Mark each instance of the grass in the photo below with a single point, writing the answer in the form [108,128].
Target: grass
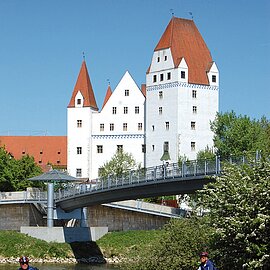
[15,244]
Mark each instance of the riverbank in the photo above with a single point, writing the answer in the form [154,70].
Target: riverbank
[111,248]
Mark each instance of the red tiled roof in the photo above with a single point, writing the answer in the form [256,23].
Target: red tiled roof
[143,89]
[84,85]
[44,149]
[108,95]
[184,39]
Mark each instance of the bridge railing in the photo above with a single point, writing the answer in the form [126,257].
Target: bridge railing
[23,196]
[159,173]
[134,177]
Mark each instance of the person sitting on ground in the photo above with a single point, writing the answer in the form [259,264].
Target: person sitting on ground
[24,264]
[205,264]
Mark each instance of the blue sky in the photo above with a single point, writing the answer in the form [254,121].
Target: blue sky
[42,44]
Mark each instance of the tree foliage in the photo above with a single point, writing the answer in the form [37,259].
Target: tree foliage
[239,204]
[177,247]
[14,173]
[234,134]
[120,164]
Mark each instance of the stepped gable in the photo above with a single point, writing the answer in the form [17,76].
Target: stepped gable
[184,40]
[84,85]
[107,97]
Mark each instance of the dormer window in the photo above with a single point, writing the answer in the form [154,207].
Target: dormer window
[214,78]
[183,74]
[79,101]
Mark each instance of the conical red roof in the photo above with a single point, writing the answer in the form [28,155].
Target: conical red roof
[108,95]
[184,39]
[84,85]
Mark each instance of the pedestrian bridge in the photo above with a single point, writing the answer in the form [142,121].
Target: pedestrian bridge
[167,179]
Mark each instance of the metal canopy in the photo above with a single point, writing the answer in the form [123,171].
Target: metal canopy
[53,175]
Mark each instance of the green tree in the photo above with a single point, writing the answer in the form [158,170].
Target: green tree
[14,173]
[237,134]
[239,204]
[120,164]
[177,247]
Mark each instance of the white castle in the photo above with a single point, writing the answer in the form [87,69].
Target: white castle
[168,118]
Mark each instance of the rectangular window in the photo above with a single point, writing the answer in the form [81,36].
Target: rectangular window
[143,148]
[192,146]
[99,149]
[168,75]
[194,94]
[111,127]
[79,123]
[161,77]
[79,101]
[194,109]
[214,78]
[192,125]
[183,74]
[167,125]
[137,109]
[155,78]
[113,110]
[139,126]
[125,110]
[78,172]
[119,148]
[153,147]
[165,58]
[153,127]
[124,126]
[160,94]
[158,59]
[126,93]
[101,127]
[79,150]
[160,110]
[166,147]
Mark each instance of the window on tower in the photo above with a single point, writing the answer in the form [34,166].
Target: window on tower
[192,144]
[78,172]
[79,123]
[139,126]
[155,78]
[161,77]
[119,148]
[124,126]
[79,150]
[167,125]
[166,147]
[194,109]
[183,74]
[137,109]
[165,58]
[153,147]
[160,110]
[101,127]
[194,94]
[158,59]
[168,76]
[160,94]
[113,110]
[125,110]
[99,149]
[111,127]
[143,148]
[192,125]
[126,93]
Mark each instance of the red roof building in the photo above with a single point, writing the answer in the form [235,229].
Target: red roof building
[45,149]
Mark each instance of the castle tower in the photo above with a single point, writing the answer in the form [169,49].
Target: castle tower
[80,111]
[182,85]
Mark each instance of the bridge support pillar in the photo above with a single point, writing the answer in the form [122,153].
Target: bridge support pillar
[50,204]
[84,216]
